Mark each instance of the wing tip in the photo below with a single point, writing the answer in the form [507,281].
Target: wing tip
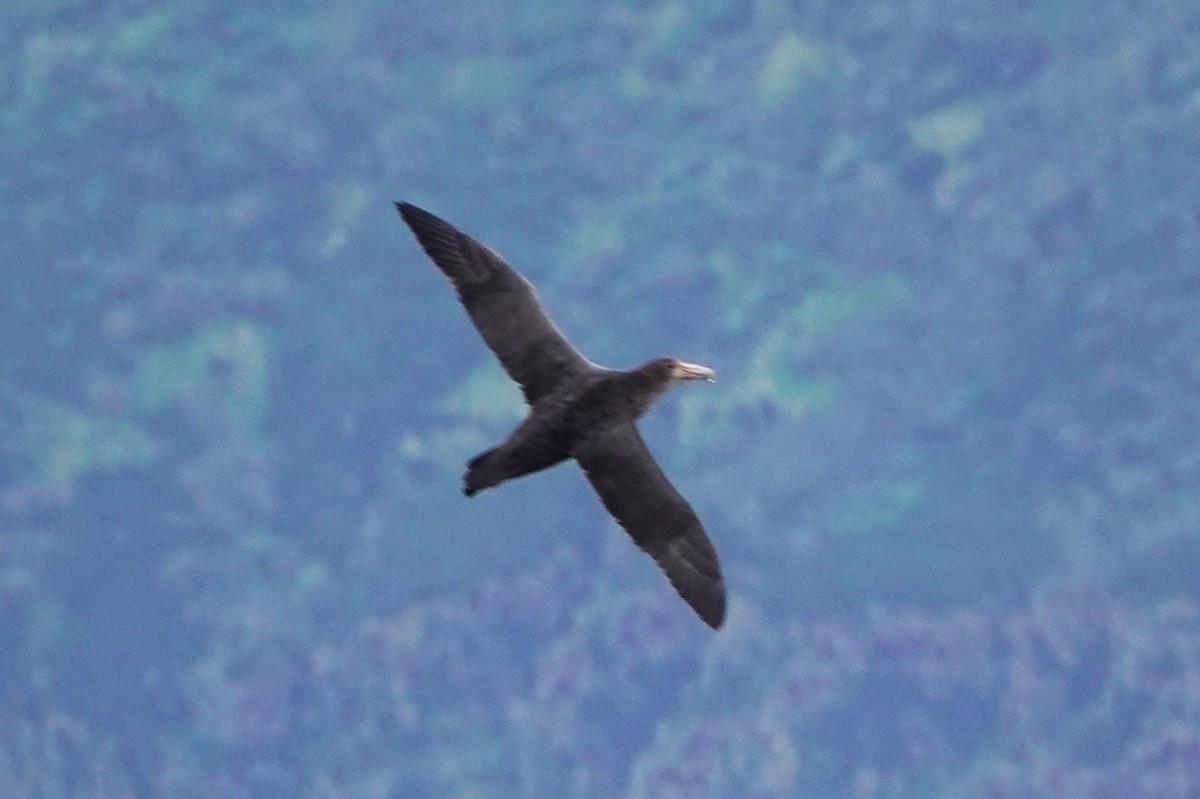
[433,232]
[413,213]
[408,211]
[712,612]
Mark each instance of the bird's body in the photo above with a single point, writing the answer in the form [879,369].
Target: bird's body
[577,410]
[560,422]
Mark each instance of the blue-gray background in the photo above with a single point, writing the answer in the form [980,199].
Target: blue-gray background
[945,257]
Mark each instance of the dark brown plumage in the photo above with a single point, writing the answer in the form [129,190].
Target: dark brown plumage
[577,410]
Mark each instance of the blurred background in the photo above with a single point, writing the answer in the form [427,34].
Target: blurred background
[945,257]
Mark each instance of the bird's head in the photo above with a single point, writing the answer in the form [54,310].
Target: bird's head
[651,379]
[672,370]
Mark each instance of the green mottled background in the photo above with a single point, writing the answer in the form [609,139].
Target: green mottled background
[945,257]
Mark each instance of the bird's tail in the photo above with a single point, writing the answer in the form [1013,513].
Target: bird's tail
[482,472]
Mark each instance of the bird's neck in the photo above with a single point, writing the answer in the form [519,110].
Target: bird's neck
[643,391]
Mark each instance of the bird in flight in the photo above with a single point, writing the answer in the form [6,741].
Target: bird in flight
[577,410]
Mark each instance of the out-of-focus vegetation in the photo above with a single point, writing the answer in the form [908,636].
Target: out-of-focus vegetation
[944,256]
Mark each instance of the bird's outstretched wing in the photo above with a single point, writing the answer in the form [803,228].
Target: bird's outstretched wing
[660,521]
[503,305]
